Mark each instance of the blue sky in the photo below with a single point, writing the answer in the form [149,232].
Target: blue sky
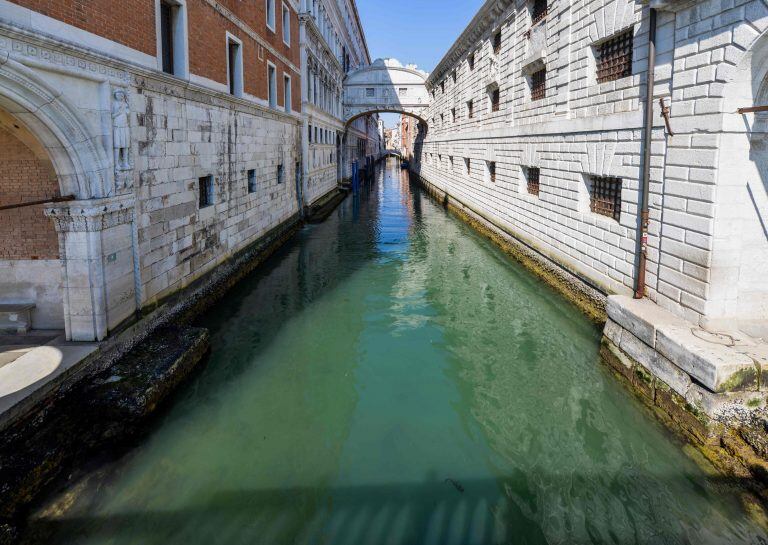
[414,31]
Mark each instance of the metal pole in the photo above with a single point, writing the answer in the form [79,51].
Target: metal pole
[642,242]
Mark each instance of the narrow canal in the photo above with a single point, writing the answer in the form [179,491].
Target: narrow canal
[392,377]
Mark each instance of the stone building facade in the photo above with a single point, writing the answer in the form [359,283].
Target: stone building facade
[176,135]
[332,45]
[536,124]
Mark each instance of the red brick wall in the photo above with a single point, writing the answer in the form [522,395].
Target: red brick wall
[25,233]
[132,23]
[208,51]
[129,22]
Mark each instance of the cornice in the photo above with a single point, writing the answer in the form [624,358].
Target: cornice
[308,20]
[481,23]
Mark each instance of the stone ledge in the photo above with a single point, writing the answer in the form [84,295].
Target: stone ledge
[721,363]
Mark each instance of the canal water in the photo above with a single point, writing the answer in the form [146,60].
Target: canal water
[391,377]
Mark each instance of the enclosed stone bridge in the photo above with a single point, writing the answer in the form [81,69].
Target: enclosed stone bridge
[386,86]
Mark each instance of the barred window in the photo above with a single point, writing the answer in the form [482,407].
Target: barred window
[497,43]
[492,171]
[495,100]
[605,196]
[539,11]
[539,84]
[251,181]
[614,57]
[280,174]
[370,91]
[532,178]
[470,110]
[205,191]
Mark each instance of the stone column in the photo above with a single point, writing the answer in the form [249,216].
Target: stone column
[96,247]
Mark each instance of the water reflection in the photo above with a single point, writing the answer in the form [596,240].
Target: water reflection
[391,377]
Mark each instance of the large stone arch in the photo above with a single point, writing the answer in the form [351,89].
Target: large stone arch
[81,164]
[97,225]
[385,86]
[740,242]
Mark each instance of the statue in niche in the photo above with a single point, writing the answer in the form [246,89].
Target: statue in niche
[121,130]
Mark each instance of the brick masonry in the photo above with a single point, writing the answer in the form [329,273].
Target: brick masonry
[25,233]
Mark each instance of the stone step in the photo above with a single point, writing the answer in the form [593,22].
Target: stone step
[16,317]
[719,361]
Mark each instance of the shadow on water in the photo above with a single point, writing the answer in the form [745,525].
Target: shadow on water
[435,512]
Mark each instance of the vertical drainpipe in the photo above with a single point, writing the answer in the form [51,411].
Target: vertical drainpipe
[642,231]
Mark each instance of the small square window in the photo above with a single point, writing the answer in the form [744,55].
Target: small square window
[205,191]
[402,91]
[370,91]
[538,11]
[280,173]
[605,196]
[532,180]
[491,165]
[251,181]
[614,57]
[539,84]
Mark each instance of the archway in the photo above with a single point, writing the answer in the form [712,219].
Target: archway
[29,244]
[93,229]
[739,265]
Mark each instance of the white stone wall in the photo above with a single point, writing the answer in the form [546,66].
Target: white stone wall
[35,281]
[584,128]
[181,140]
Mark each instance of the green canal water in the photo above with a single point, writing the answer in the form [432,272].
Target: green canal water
[390,377]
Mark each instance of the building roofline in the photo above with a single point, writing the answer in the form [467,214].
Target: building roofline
[479,25]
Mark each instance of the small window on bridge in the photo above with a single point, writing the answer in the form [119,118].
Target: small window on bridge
[370,92]
[402,91]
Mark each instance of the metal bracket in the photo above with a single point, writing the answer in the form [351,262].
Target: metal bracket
[665,115]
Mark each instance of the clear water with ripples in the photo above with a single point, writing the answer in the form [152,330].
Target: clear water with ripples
[392,377]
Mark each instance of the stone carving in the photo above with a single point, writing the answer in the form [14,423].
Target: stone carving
[121,131]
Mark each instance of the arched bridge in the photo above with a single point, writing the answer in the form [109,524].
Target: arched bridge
[385,86]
